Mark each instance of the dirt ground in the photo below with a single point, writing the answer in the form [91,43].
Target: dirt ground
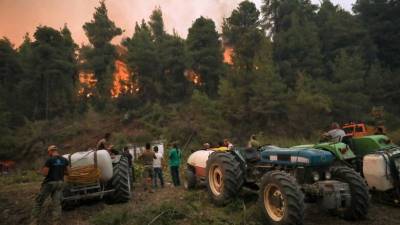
[16,202]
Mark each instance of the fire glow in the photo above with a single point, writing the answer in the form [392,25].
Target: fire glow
[122,82]
[194,77]
[228,53]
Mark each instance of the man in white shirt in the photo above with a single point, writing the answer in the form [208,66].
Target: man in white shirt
[157,167]
[336,134]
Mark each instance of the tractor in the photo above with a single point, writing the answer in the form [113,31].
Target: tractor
[284,179]
[375,157]
[95,174]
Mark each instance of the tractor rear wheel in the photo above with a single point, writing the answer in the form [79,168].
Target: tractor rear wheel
[190,179]
[224,177]
[280,199]
[120,182]
[358,208]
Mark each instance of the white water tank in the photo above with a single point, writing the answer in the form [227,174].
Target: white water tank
[86,158]
[377,172]
[198,160]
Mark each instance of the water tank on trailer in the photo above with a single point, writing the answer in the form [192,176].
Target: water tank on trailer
[86,158]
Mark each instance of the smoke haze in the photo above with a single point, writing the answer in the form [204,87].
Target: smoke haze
[20,16]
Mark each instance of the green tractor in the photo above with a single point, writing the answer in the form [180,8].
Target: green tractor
[375,157]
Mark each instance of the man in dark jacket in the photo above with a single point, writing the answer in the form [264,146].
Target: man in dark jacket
[54,170]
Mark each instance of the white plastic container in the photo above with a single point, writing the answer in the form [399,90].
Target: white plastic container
[377,172]
[104,162]
[198,160]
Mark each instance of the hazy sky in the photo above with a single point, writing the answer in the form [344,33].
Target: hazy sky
[20,16]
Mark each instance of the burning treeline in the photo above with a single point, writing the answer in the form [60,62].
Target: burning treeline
[124,79]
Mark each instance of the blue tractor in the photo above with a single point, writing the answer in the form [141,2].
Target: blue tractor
[285,179]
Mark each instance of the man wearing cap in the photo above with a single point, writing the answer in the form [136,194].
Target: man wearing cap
[54,170]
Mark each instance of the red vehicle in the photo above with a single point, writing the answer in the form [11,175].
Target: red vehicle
[361,129]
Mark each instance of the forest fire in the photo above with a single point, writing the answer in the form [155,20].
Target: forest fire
[228,53]
[122,82]
[194,77]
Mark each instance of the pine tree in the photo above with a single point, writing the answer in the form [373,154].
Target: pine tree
[350,103]
[381,18]
[143,59]
[296,40]
[100,56]
[205,54]
[242,30]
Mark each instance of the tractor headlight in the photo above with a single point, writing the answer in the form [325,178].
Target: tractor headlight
[315,176]
[328,175]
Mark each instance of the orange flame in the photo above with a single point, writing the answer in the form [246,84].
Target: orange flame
[228,53]
[122,82]
[194,77]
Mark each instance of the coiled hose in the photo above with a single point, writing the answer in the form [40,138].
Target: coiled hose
[83,175]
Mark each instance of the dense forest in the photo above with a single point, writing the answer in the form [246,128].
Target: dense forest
[287,69]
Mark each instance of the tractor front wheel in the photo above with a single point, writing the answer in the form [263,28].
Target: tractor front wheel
[280,199]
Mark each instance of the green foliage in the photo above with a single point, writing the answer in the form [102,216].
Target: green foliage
[383,23]
[201,119]
[205,55]
[308,108]
[143,59]
[296,41]
[347,89]
[20,177]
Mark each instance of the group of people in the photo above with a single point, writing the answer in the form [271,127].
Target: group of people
[56,167]
[153,163]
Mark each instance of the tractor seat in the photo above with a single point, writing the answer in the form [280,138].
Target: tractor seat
[251,155]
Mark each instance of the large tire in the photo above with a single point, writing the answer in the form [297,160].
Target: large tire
[224,177]
[120,182]
[190,179]
[358,190]
[280,199]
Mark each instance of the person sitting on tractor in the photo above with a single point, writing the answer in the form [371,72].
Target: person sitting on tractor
[379,131]
[253,143]
[228,144]
[54,170]
[104,142]
[336,134]
[206,146]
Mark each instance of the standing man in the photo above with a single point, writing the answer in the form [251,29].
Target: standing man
[147,158]
[157,167]
[174,162]
[336,134]
[54,170]
[104,142]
